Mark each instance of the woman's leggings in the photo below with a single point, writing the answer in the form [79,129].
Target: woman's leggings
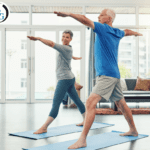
[65,99]
[63,86]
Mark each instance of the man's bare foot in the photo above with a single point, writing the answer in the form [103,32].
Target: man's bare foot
[130,133]
[40,131]
[78,144]
[80,124]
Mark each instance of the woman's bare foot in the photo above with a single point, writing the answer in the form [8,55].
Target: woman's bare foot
[80,143]
[130,133]
[80,124]
[40,131]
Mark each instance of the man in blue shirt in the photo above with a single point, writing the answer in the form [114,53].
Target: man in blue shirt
[107,72]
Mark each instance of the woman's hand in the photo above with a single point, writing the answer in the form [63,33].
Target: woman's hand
[76,58]
[33,38]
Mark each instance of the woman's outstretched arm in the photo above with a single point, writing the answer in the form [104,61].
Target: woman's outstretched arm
[46,42]
[63,49]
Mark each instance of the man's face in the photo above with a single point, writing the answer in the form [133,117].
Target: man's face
[104,18]
[66,38]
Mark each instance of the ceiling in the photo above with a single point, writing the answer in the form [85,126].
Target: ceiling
[83,2]
[77,9]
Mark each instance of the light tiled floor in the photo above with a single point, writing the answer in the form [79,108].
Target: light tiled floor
[25,117]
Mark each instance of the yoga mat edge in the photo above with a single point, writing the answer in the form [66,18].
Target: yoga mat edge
[64,130]
[94,142]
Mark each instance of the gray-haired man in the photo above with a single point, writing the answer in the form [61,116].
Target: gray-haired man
[107,71]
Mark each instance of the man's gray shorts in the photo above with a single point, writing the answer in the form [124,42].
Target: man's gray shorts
[108,88]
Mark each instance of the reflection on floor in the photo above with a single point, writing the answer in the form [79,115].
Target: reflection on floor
[25,117]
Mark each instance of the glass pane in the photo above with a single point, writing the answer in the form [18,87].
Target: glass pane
[47,17]
[16,75]
[144,16]
[0,63]
[19,15]
[124,19]
[124,15]
[144,19]
[87,59]
[144,54]
[75,43]
[127,57]
[45,67]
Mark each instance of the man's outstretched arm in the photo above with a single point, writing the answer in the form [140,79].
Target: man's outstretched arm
[46,42]
[130,32]
[81,18]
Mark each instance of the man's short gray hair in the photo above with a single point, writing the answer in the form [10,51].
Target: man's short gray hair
[111,13]
[69,32]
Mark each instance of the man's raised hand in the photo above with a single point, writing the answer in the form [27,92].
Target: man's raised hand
[62,14]
[138,34]
[32,38]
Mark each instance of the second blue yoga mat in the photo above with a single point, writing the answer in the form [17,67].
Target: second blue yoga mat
[60,130]
[93,142]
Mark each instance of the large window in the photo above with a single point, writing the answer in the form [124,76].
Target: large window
[144,54]
[133,54]
[0,64]
[87,61]
[16,76]
[45,67]
[24,44]
[144,16]
[23,63]
[127,57]
[43,15]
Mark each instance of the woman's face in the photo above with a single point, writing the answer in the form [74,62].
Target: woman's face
[66,38]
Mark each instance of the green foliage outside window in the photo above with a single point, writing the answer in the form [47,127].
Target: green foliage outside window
[124,71]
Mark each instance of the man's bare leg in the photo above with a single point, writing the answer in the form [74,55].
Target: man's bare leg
[43,129]
[128,116]
[89,118]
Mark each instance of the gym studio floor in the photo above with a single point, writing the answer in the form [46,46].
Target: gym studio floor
[25,117]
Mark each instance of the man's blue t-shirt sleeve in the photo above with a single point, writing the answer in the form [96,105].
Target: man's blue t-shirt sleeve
[99,28]
[122,34]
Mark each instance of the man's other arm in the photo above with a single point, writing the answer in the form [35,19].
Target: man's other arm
[130,32]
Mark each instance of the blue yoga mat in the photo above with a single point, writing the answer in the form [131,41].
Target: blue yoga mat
[60,130]
[93,142]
